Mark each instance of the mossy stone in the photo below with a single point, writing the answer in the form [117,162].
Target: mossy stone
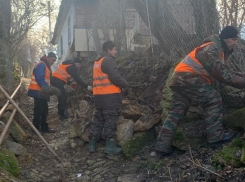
[137,143]
[151,163]
[9,162]
[5,176]
[227,156]
[165,105]
[167,94]
[183,139]
[237,142]
[236,119]
[15,130]
[154,163]
[243,154]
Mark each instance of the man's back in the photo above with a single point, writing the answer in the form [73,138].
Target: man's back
[212,59]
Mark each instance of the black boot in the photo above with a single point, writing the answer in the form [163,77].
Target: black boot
[58,106]
[226,138]
[64,114]
[38,129]
[48,131]
[63,117]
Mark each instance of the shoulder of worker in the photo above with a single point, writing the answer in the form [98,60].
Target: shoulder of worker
[68,61]
[215,43]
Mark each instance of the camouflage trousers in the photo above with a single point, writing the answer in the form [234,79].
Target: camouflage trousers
[104,119]
[206,97]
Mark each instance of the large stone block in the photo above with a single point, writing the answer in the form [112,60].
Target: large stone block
[137,143]
[84,109]
[7,177]
[231,154]
[236,119]
[72,131]
[189,134]
[9,162]
[125,130]
[146,122]
[15,129]
[131,112]
[16,148]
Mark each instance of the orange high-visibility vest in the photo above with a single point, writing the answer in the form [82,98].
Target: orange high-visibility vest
[61,73]
[33,85]
[192,65]
[101,82]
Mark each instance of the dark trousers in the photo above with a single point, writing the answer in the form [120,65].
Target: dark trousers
[40,114]
[206,97]
[104,119]
[62,99]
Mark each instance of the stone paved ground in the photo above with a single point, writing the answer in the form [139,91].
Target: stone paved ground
[80,165]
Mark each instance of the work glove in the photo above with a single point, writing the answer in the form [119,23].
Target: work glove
[74,86]
[49,91]
[90,89]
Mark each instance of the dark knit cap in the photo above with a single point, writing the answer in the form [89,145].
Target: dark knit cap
[51,54]
[78,60]
[229,32]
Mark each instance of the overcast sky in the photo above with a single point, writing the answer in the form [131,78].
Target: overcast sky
[44,21]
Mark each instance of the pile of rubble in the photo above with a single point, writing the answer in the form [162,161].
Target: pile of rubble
[145,105]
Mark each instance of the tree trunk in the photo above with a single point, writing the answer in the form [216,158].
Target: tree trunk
[168,22]
[206,18]
[5,18]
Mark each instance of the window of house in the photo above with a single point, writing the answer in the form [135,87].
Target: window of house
[69,30]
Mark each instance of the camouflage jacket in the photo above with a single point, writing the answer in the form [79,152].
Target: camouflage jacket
[211,59]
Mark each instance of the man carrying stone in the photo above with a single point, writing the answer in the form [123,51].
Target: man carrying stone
[40,80]
[61,76]
[193,80]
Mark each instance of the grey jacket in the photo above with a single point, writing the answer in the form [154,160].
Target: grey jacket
[109,67]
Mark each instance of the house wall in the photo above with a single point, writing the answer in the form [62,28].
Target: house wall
[85,12]
[82,13]
[64,51]
[84,40]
